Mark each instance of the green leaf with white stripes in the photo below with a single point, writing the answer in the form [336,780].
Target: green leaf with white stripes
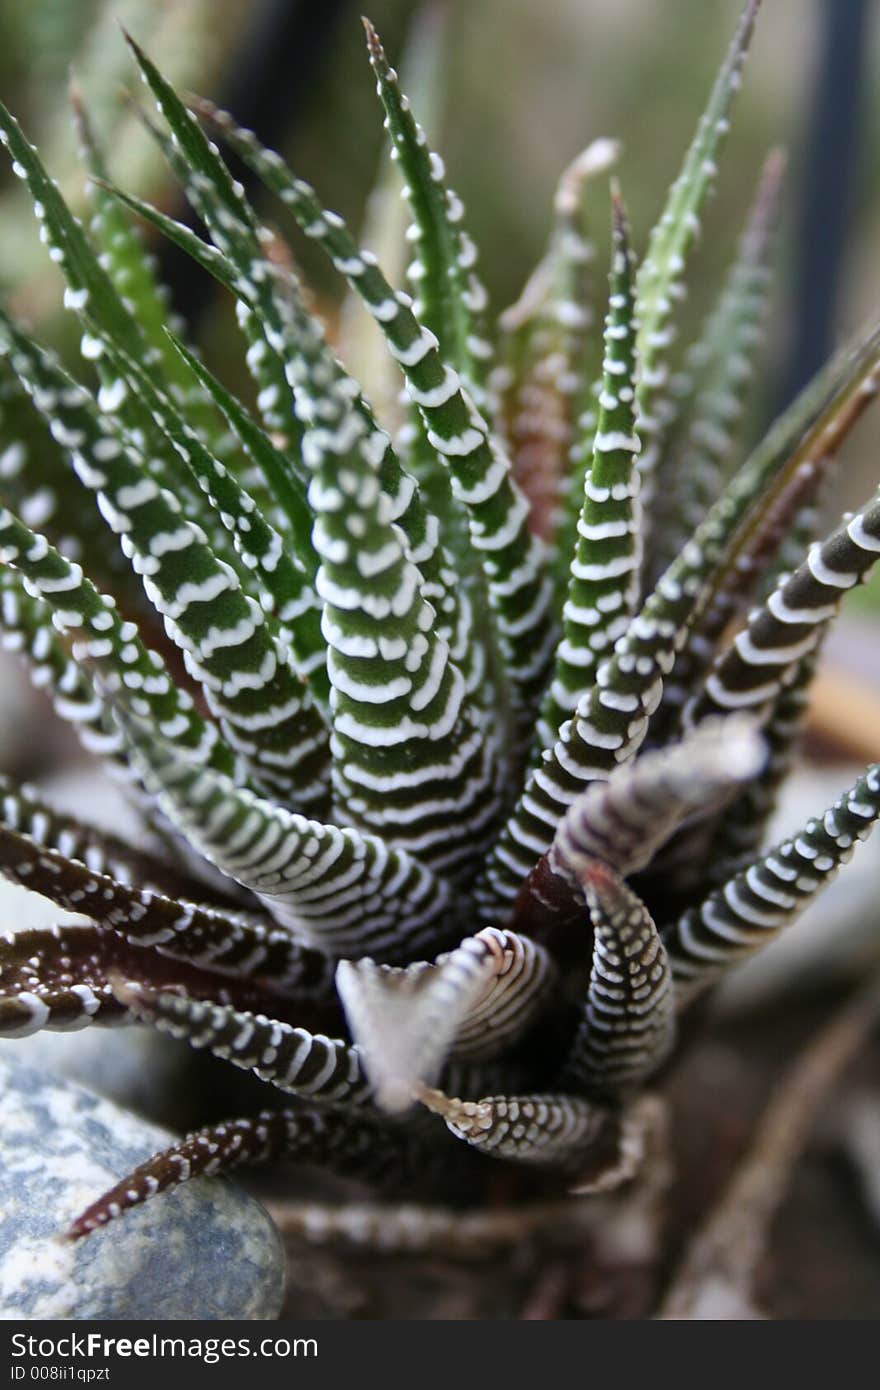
[512,559]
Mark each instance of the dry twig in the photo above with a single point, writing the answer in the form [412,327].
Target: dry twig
[717,1277]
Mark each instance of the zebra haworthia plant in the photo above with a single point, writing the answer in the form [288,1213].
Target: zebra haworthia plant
[452,803]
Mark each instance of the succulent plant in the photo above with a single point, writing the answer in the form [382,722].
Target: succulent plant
[455,753]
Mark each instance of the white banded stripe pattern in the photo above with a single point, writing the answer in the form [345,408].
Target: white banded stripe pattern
[338,889]
[208,937]
[764,898]
[764,657]
[348,1145]
[470,1004]
[292,1059]
[26,628]
[539,1129]
[105,644]
[266,713]
[512,558]
[627,1028]
[603,579]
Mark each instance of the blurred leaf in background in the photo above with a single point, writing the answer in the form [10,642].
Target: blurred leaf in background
[42,43]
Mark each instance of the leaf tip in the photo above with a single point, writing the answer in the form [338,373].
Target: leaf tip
[374,44]
[74,91]
[746,26]
[619,217]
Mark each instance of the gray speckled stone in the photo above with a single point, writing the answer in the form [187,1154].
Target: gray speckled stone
[205,1250]
[141,1070]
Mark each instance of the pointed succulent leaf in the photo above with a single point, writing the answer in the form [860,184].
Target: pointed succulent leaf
[424,69]
[612,719]
[64,978]
[553,1130]
[218,266]
[451,297]
[350,1145]
[210,938]
[764,656]
[219,1148]
[550,360]
[659,281]
[627,1029]
[473,1001]
[511,557]
[603,580]
[761,900]
[337,889]
[626,820]
[105,643]
[266,568]
[301,1063]
[718,371]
